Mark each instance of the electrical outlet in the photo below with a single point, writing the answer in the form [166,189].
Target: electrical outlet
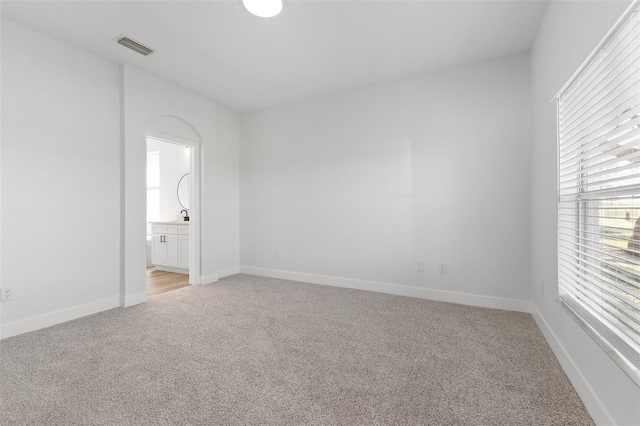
[420,267]
[542,287]
[442,268]
[277,254]
[6,294]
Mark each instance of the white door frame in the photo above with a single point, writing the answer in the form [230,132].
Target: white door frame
[194,201]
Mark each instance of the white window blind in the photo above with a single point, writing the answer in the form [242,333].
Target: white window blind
[599,193]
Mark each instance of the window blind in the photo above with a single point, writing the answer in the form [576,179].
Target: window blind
[599,191]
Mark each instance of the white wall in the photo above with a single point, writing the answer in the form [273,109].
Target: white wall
[227,185]
[60,179]
[362,185]
[174,163]
[1,25]
[569,32]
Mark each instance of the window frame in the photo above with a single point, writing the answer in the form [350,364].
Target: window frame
[569,295]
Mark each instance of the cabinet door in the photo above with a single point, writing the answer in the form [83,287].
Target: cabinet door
[158,250]
[171,244]
[183,251]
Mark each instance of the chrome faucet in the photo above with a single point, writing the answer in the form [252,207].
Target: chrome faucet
[186,218]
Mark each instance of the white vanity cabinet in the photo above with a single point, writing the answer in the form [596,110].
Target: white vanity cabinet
[170,247]
[183,246]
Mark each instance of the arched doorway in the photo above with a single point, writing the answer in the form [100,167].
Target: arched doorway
[174,130]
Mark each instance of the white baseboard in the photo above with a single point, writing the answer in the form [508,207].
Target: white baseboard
[228,271]
[133,299]
[589,398]
[212,278]
[399,290]
[209,278]
[171,269]
[37,322]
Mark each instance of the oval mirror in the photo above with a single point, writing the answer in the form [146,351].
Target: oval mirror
[183,191]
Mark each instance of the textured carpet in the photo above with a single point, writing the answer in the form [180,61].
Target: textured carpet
[251,350]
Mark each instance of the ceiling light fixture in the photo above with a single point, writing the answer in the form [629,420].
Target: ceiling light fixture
[263,8]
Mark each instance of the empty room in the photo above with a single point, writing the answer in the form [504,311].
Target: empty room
[336,212]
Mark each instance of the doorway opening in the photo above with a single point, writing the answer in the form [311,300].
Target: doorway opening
[170,214]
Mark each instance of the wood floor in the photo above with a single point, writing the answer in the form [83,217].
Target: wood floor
[160,281]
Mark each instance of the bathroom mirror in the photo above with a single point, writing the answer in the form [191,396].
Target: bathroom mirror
[183,191]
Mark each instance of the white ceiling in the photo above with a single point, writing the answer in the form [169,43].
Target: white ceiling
[312,48]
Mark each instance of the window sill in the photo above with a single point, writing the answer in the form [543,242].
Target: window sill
[627,366]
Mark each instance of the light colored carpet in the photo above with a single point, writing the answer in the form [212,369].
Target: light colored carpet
[251,350]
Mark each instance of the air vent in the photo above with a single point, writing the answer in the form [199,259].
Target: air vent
[135,46]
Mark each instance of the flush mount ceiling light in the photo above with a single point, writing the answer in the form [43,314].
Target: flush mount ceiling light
[263,8]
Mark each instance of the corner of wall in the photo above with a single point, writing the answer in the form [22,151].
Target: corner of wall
[133,299]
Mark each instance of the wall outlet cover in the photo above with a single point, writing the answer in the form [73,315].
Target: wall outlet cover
[6,294]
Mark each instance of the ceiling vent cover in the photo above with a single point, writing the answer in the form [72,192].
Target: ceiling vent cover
[135,46]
